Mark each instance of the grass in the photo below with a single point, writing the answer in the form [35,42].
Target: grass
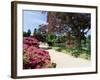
[85,56]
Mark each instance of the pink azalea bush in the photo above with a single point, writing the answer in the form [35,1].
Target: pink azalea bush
[33,56]
[30,41]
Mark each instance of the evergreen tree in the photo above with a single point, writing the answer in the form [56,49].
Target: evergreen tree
[29,32]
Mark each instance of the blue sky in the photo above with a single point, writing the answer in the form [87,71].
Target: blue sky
[32,19]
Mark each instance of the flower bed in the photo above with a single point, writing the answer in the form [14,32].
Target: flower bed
[33,56]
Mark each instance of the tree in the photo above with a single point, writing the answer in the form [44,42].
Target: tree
[29,32]
[35,32]
[25,34]
[74,24]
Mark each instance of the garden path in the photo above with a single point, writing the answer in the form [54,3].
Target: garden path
[65,60]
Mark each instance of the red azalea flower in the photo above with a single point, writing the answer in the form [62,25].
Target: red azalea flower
[36,54]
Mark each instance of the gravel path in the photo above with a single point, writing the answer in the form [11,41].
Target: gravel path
[64,60]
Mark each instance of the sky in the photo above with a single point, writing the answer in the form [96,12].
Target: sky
[32,19]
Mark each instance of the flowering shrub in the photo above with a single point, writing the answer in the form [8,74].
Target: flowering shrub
[33,56]
[30,41]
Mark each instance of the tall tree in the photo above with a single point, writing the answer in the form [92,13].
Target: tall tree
[29,32]
[72,24]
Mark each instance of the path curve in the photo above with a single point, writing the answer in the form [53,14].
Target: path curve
[65,60]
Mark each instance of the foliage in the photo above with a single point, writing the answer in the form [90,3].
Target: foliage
[33,56]
[77,24]
[25,34]
[51,38]
[28,33]
[75,51]
[61,39]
